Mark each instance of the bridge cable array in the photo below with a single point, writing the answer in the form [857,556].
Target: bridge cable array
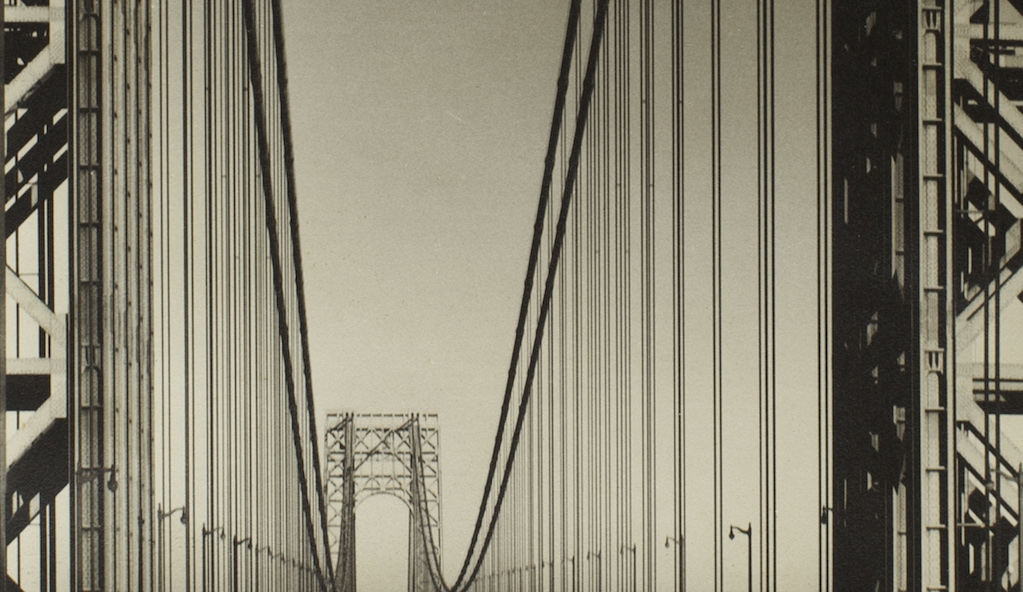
[275,258]
[569,186]
[241,298]
[534,253]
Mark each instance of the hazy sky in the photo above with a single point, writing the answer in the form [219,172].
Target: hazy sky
[420,130]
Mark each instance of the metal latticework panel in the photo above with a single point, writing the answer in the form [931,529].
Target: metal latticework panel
[395,455]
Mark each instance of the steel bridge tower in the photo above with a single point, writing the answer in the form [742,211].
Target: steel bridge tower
[927,208]
[394,455]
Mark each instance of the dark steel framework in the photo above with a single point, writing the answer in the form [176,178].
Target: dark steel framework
[926,212]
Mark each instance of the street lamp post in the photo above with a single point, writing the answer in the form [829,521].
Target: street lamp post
[550,570]
[234,558]
[681,542]
[632,548]
[749,536]
[599,575]
[260,576]
[572,561]
[160,515]
[206,576]
[824,513]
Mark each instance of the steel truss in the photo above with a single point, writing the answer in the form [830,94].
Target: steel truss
[36,157]
[394,455]
[927,215]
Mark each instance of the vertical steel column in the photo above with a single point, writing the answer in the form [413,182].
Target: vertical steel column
[350,502]
[345,572]
[86,404]
[935,413]
[417,549]
[419,558]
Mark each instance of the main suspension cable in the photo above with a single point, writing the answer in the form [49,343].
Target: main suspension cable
[573,167]
[545,186]
[275,258]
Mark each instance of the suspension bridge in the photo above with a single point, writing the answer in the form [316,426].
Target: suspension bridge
[767,339]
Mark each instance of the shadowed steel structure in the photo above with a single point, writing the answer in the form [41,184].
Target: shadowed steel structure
[395,455]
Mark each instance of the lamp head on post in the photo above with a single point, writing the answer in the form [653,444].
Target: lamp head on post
[184,514]
[748,531]
[824,514]
[247,541]
[210,532]
[97,473]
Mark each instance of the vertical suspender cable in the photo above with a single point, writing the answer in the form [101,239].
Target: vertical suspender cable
[772,509]
[768,485]
[289,159]
[577,388]
[562,409]
[649,301]
[627,215]
[716,285]
[213,461]
[152,348]
[605,364]
[995,323]
[186,179]
[763,281]
[823,296]
[678,285]
[275,258]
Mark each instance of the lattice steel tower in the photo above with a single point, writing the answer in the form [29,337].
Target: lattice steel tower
[376,454]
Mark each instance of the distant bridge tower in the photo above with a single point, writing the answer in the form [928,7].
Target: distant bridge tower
[384,454]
